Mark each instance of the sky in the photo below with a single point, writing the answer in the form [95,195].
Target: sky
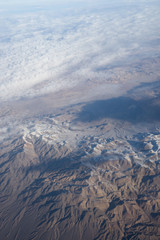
[47,46]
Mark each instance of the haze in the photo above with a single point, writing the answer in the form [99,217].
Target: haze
[80,120]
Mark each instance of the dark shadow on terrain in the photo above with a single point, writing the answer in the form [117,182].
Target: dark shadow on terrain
[121,108]
[53,164]
[154,86]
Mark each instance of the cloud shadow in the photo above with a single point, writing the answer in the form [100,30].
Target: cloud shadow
[121,108]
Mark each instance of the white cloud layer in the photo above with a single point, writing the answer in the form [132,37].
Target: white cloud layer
[45,48]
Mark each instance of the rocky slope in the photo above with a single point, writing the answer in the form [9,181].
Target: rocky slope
[66,179]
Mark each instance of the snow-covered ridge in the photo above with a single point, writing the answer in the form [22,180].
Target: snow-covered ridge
[142,148]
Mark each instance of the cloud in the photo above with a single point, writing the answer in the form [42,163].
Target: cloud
[45,50]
